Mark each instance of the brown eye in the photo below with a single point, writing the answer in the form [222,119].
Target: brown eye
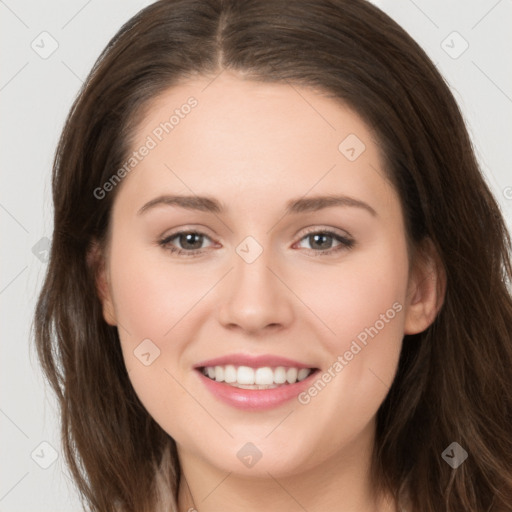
[321,242]
[189,242]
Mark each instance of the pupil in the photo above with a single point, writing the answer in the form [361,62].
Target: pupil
[316,237]
[190,236]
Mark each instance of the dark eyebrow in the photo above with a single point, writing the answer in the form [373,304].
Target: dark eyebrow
[204,204]
[209,204]
[315,203]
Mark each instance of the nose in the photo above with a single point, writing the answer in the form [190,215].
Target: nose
[255,298]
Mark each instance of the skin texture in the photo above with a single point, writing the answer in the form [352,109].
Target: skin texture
[254,146]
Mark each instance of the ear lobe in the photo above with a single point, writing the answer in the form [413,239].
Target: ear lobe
[426,289]
[96,262]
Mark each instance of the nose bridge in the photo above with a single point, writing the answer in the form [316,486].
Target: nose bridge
[256,297]
[252,264]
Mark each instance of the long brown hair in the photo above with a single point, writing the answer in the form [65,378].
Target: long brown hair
[454,381]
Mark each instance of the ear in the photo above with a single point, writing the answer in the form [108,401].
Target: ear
[96,260]
[426,288]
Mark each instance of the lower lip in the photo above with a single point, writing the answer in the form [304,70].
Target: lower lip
[255,399]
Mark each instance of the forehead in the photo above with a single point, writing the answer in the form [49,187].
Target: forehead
[237,111]
[255,141]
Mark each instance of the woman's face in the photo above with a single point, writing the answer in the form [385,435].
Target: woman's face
[275,270]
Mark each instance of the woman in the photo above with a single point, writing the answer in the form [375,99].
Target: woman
[337,335]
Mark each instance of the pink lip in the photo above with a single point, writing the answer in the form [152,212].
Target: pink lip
[252,361]
[255,399]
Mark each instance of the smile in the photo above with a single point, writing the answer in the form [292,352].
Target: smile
[265,377]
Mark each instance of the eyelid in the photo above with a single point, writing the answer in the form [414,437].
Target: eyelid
[164,240]
[325,229]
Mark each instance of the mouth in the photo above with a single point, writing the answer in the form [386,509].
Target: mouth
[255,383]
[259,378]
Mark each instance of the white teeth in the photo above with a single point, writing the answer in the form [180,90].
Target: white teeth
[291,375]
[219,373]
[230,373]
[265,377]
[302,374]
[254,386]
[280,375]
[245,375]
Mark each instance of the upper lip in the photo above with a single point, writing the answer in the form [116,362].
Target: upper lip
[253,361]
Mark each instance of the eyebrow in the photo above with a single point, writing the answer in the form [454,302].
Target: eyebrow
[294,206]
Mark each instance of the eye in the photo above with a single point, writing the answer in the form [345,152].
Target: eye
[324,239]
[190,241]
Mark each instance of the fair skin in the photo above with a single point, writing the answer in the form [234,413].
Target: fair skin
[254,147]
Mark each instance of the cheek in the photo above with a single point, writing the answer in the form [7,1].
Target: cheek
[358,293]
[153,301]
[152,294]
[361,305]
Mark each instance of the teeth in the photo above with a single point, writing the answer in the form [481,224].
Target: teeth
[291,375]
[254,386]
[230,373]
[265,377]
[303,373]
[219,373]
[280,375]
[245,375]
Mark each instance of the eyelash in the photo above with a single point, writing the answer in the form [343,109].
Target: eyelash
[345,243]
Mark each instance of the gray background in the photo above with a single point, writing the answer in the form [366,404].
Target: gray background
[36,92]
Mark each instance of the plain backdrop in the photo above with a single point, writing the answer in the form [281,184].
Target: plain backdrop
[469,41]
